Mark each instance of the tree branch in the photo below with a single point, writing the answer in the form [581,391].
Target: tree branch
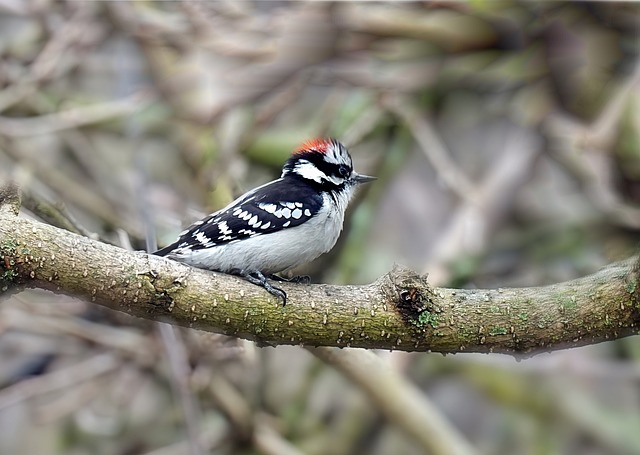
[399,311]
[400,401]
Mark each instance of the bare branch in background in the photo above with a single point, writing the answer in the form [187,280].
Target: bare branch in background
[473,221]
[76,117]
[433,148]
[401,402]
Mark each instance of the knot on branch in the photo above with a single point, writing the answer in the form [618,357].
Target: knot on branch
[413,296]
[10,198]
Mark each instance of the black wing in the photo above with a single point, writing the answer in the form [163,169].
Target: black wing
[281,204]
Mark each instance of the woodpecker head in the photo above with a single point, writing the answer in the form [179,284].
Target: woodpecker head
[324,163]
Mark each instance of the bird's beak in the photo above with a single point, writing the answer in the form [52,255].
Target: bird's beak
[358,178]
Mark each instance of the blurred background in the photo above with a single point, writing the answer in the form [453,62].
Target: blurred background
[506,139]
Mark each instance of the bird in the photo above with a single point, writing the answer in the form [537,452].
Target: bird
[277,226]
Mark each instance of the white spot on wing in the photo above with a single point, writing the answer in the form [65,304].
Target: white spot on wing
[286,213]
[297,213]
[202,238]
[224,228]
[269,208]
[266,225]
[286,224]
[307,212]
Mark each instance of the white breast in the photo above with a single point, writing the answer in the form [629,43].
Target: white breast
[278,251]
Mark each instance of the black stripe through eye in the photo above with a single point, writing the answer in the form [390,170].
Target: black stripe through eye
[342,170]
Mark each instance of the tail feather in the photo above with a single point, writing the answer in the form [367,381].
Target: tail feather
[166,250]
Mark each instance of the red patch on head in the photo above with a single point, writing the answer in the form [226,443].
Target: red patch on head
[316,145]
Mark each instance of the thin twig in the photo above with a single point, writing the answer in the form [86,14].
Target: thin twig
[127,342]
[180,374]
[363,125]
[49,60]
[59,379]
[75,117]
[269,442]
[474,222]
[433,148]
[54,214]
[71,190]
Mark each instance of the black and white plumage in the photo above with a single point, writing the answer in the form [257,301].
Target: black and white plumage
[279,225]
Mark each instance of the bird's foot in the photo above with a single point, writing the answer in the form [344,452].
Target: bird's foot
[259,279]
[300,279]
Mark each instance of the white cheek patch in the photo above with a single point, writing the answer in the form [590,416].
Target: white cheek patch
[336,180]
[307,170]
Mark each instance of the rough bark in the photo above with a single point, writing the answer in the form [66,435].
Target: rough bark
[399,311]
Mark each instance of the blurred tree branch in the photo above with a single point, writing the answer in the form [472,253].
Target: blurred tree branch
[399,311]
[402,402]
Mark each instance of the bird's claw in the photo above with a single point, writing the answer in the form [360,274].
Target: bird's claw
[259,279]
[300,279]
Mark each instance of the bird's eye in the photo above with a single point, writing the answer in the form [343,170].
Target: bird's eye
[344,171]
